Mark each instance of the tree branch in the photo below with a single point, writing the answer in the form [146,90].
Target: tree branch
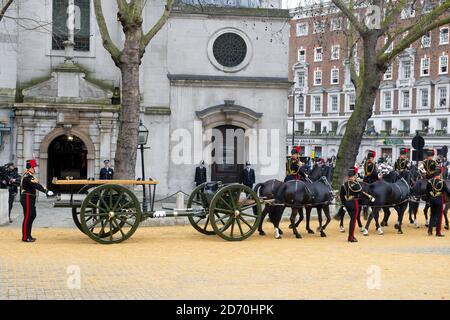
[427,23]
[361,28]
[108,44]
[158,25]
[5,7]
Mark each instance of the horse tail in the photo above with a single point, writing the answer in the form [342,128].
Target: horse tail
[256,188]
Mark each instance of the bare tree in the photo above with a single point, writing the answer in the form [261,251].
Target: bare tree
[387,29]
[4,6]
[128,61]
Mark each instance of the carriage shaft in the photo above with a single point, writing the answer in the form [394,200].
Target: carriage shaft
[175,213]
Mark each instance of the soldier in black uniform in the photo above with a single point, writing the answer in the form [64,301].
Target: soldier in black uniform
[200,174]
[350,192]
[107,172]
[248,175]
[370,168]
[12,183]
[436,198]
[402,162]
[429,164]
[28,186]
[295,170]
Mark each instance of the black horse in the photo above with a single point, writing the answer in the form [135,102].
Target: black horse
[390,192]
[267,191]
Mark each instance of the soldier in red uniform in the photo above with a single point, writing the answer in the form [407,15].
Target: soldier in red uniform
[28,186]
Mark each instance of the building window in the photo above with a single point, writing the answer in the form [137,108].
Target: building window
[317,104]
[426,40]
[443,36]
[335,76]
[335,52]
[406,100]
[318,77]
[60,32]
[301,78]
[406,69]
[423,96]
[301,126]
[334,125]
[336,23]
[390,47]
[334,103]
[442,96]
[319,27]
[387,100]
[408,12]
[406,126]
[442,124]
[443,64]
[318,54]
[387,124]
[229,49]
[317,126]
[351,101]
[302,55]
[301,104]
[302,29]
[388,73]
[425,66]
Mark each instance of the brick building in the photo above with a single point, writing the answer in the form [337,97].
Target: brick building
[413,96]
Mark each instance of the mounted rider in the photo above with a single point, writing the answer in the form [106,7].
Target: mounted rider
[370,168]
[436,188]
[402,163]
[350,192]
[295,169]
[429,164]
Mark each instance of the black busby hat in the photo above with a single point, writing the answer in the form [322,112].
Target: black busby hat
[371,154]
[404,151]
[352,172]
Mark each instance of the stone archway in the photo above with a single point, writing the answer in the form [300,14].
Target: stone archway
[49,138]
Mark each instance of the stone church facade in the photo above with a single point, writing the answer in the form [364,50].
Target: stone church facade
[65,114]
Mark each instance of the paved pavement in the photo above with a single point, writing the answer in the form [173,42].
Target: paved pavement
[174,262]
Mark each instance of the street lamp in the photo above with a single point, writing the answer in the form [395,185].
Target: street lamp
[142,140]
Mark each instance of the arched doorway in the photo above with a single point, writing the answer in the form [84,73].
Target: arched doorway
[228,156]
[67,157]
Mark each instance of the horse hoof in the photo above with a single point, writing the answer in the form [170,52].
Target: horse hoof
[310,231]
[279,237]
[446,227]
[280,231]
[341,229]
[365,232]
[323,234]
[379,231]
[298,236]
[396,227]
[291,226]
[383,224]
[262,233]
[400,231]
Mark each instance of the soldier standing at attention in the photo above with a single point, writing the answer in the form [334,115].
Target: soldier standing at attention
[436,198]
[106,173]
[13,182]
[248,175]
[28,186]
[350,192]
[200,174]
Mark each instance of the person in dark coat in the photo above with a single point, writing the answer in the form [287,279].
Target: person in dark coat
[200,174]
[12,183]
[436,187]
[106,173]
[248,175]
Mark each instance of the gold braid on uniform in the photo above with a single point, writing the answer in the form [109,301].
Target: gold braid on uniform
[349,188]
[437,186]
[366,165]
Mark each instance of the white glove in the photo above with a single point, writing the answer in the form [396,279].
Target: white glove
[372,199]
[50,193]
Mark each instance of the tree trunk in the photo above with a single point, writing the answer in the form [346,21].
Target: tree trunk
[366,90]
[125,161]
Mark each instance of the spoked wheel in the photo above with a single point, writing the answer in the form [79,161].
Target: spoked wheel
[198,200]
[110,214]
[91,219]
[235,212]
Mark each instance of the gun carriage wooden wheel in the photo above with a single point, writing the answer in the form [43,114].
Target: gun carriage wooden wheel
[200,200]
[110,214]
[235,212]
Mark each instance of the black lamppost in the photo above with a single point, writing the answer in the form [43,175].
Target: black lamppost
[142,140]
